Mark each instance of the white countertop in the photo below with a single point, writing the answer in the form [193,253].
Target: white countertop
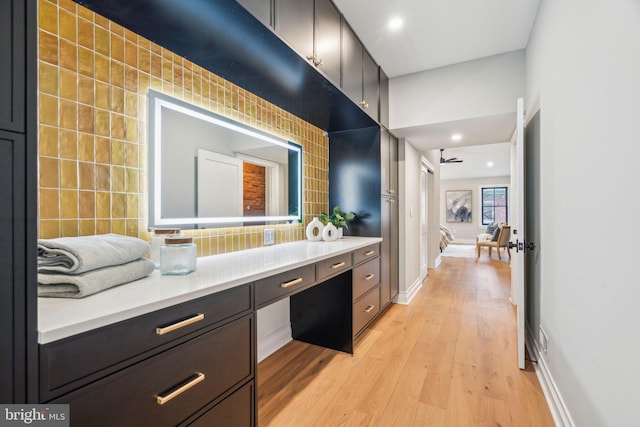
[63,317]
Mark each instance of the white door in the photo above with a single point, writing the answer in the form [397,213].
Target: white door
[517,220]
[424,223]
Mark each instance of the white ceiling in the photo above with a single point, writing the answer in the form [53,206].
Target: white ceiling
[475,161]
[436,33]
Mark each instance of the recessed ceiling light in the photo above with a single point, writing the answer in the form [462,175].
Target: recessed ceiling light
[456,137]
[489,164]
[395,23]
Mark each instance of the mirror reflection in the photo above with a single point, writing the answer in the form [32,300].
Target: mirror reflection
[206,170]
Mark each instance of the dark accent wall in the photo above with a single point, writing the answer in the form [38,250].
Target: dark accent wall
[222,37]
[354,178]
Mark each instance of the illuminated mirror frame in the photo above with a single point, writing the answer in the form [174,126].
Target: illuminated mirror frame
[157,101]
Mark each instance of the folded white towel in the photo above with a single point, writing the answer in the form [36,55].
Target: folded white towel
[80,285]
[75,255]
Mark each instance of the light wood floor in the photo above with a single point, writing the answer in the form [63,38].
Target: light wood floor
[447,359]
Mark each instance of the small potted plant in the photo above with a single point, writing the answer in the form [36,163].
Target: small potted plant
[338,218]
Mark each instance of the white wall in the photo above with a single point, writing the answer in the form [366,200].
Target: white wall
[483,87]
[433,181]
[467,232]
[583,64]
[409,214]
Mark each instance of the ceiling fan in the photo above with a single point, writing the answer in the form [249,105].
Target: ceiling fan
[444,161]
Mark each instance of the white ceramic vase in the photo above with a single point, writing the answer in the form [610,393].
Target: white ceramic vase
[340,232]
[330,233]
[314,230]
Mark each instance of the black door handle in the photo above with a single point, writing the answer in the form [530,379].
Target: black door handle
[522,246]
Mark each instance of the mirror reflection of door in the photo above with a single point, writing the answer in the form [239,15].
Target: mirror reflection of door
[219,185]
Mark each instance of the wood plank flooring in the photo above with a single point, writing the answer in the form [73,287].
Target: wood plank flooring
[447,359]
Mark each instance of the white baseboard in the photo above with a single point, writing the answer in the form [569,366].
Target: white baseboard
[559,410]
[405,297]
[463,242]
[269,344]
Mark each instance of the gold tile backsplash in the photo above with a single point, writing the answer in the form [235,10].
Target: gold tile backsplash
[94,76]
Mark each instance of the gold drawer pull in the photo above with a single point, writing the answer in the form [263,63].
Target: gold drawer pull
[161,400]
[338,265]
[369,276]
[181,324]
[368,309]
[369,253]
[291,282]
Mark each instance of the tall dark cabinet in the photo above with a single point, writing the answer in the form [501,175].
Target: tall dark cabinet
[363,178]
[18,202]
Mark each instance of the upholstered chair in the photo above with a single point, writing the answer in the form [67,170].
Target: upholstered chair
[501,242]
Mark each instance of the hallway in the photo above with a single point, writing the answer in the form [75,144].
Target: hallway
[447,359]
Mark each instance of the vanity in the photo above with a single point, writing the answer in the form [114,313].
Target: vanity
[181,350]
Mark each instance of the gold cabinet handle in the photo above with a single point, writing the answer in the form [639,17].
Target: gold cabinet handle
[369,253]
[161,400]
[181,324]
[368,309]
[338,265]
[369,276]
[291,282]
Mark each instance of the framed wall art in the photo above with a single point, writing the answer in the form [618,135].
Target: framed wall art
[458,205]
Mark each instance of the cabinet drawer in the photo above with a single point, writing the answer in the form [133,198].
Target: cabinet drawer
[167,388]
[281,285]
[365,310]
[366,253]
[334,265]
[65,361]
[365,277]
[236,410]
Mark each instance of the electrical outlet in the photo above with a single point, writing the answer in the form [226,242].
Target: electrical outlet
[269,236]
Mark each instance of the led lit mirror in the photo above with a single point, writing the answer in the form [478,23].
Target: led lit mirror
[206,170]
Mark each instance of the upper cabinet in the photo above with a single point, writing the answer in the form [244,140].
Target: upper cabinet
[359,73]
[294,23]
[312,28]
[261,9]
[327,39]
[369,85]
[351,64]
[384,99]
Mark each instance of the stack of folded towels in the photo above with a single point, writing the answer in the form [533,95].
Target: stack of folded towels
[74,267]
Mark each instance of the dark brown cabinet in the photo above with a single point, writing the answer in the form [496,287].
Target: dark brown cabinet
[359,73]
[369,85]
[294,23]
[18,193]
[312,28]
[12,66]
[389,252]
[327,39]
[164,390]
[163,368]
[261,9]
[351,64]
[389,212]
[384,99]
[388,164]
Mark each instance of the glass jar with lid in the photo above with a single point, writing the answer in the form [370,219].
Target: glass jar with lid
[178,256]
[157,240]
